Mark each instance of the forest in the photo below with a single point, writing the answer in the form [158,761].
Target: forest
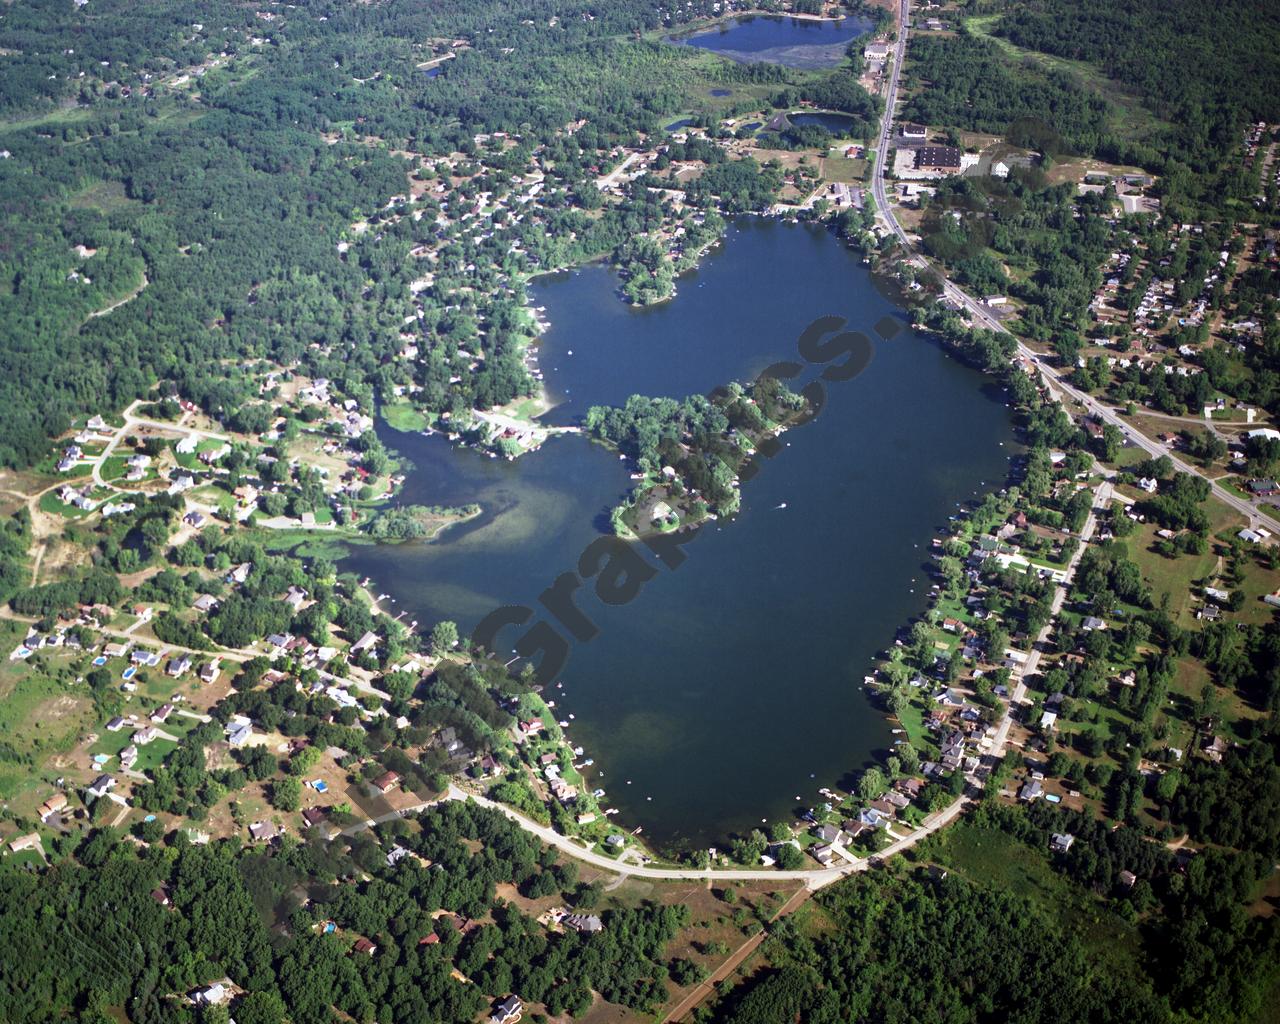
[88,937]
[152,231]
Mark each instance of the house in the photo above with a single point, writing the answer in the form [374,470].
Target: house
[944,159]
[1092,623]
[263,831]
[295,598]
[913,132]
[313,816]
[828,834]
[178,666]
[1060,842]
[31,841]
[160,895]
[1263,488]
[531,727]
[588,923]
[856,829]
[909,787]
[279,640]
[1149,484]
[214,995]
[101,786]
[507,1012]
[194,519]
[1214,747]
[145,735]
[365,643]
[52,806]
[187,446]
[1049,721]
[161,714]
[1128,879]
[209,672]
[386,782]
[239,729]
[363,945]
[240,573]
[1031,790]
[823,853]
[870,816]
[129,756]
[116,724]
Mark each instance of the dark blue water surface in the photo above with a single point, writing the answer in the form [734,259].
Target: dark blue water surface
[732,684]
[793,42]
[836,124]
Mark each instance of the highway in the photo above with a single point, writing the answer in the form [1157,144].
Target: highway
[985,318]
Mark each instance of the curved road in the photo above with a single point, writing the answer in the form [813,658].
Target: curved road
[814,879]
[983,316]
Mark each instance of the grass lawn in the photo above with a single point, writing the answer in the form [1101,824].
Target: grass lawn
[39,716]
[839,168]
[404,417]
[53,505]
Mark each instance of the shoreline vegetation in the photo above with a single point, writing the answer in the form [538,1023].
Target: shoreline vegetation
[416,522]
[687,457]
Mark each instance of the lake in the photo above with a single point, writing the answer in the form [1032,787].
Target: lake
[836,124]
[732,684]
[793,42]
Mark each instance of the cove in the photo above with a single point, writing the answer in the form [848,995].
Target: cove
[732,684]
[792,42]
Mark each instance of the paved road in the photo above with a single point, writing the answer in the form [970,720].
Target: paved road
[612,177]
[132,422]
[1101,500]
[984,317]
[814,879]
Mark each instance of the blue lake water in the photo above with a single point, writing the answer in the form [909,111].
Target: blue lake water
[793,42]
[732,684]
